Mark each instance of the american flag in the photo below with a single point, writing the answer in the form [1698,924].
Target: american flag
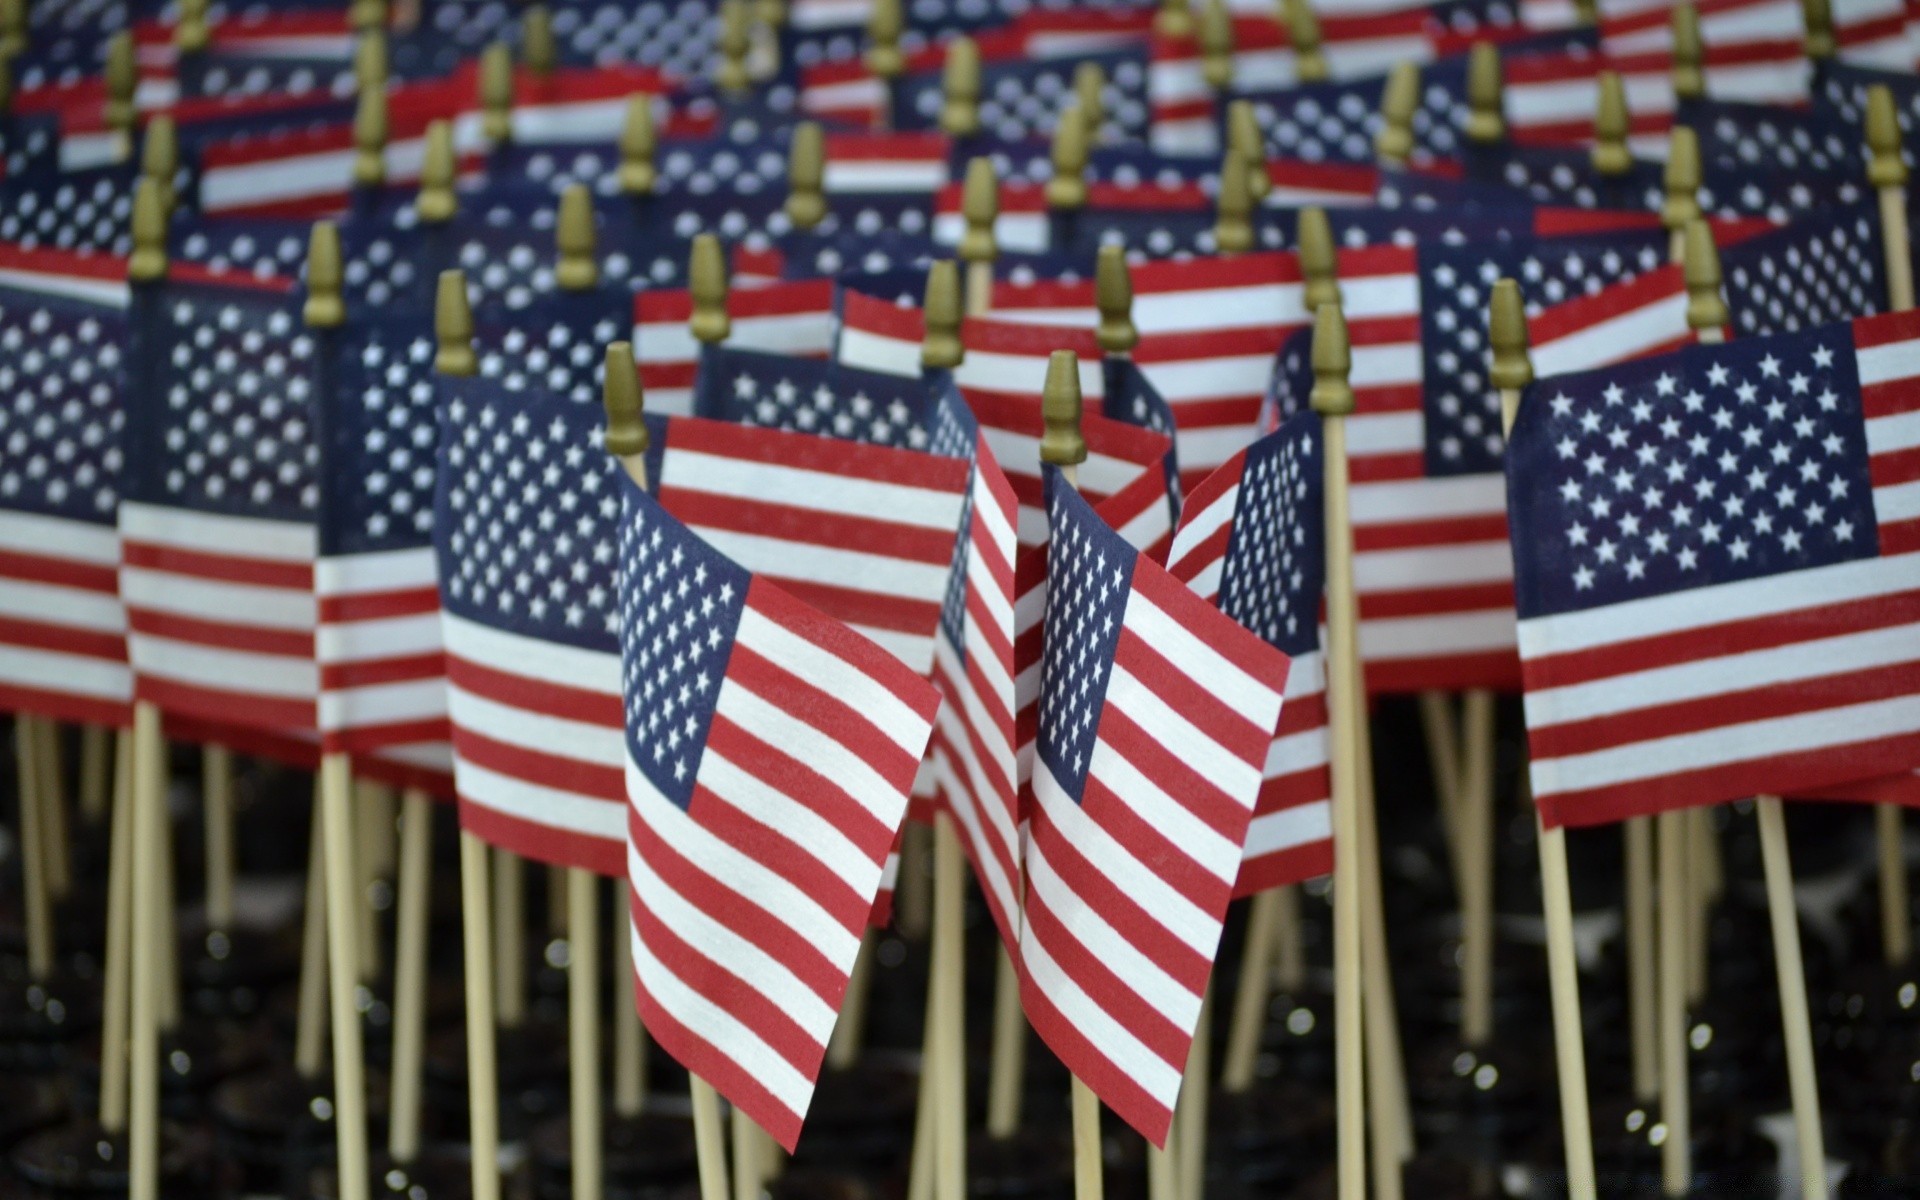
[1250,541]
[1715,556]
[1155,715]
[1822,268]
[68,210]
[789,317]
[528,592]
[63,358]
[768,754]
[220,499]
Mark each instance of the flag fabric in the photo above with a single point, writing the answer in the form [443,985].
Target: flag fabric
[768,753]
[68,210]
[63,362]
[1715,555]
[1822,268]
[786,317]
[1251,543]
[1155,716]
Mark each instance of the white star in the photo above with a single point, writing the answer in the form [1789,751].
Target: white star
[1770,367]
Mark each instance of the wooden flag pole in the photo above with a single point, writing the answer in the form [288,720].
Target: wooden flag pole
[1063,446]
[1476,869]
[627,439]
[414,875]
[326,311]
[960,92]
[122,77]
[629,1040]
[453,331]
[736,44]
[1887,172]
[883,58]
[1802,1081]
[979,245]
[216,790]
[1190,1119]
[37,902]
[1511,371]
[1486,97]
[843,1048]
[1642,989]
[115,988]
[310,1014]
[53,810]
[96,773]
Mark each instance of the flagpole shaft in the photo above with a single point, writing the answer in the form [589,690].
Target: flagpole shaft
[1798,1031]
[53,813]
[1250,995]
[583,1030]
[1475,834]
[216,791]
[709,1143]
[310,1022]
[1191,1116]
[344,896]
[96,772]
[1676,1153]
[1290,951]
[949,933]
[37,902]
[629,1040]
[843,1047]
[118,969]
[1642,1001]
[1387,1112]
[1898,246]
[1089,1181]
[1442,735]
[149,785]
[1576,1125]
[510,938]
[746,1157]
[925,1132]
[415,871]
[1007,1073]
[1896,933]
[483,1077]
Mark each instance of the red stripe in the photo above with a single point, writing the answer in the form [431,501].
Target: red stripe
[245,709]
[546,843]
[436,784]
[225,568]
[60,572]
[1386,468]
[1583,312]
[1900,537]
[1448,531]
[1438,601]
[1893,467]
[857,652]
[1283,867]
[1498,670]
[1886,329]
[1193,699]
[1096,977]
[1891,398]
[1226,638]
[1116,1089]
[783,773]
[1199,345]
[347,607]
[852,460]
[223,635]
[535,695]
[554,771]
[832,718]
[726,1075]
[803,526]
[367,739]
[62,706]
[63,639]
[371,672]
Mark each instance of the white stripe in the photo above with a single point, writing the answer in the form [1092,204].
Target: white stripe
[1900,502]
[560,664]
[52,604]
[71,674]
[833,675]
[1022,374]
[1425,637]
[1197,380]
[1290,829]
[238,604]
[380,571]
[253,184]
[814,748]
[818,491]
[1238,781]
[561,737]
[371,704]
[94,291]
[875,352]
[1256,700]
[1429,499]
[1385,433]
[1889,362]
[1166,815]
[225,670]
[575,121]
[1899,432]
[427,756]
[1656,323]
[247,537]
[537,804]
[1106,945]
[782,814]
[1424,567]
[1197,527]
[883,175]
[60,537]
[386,637]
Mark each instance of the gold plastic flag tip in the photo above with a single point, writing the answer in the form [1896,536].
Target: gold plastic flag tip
[1486,95]
[160,156]
[1332,395]
[941,348]
[1610,153]
[1700,262]
[1398,102]
[436,201]
[1507,318]
[980,205]
[1319,263]
[960,89]
[496,92]
[1173,19]
[13,29]
[807,176]
[578,269]
[1243,135]
[325,309]
[1681,178]
[453,327]
[149,259]
[1061,444]
[367,16]
[1090,93]
[370,66]
[1689,54]
[1303,33]
[123,77]
[638,143]
[1817,16]
[1233,212]
[884,26]
[191,34]
[370,138]
[1067,186]
[1113,294]
[537,46]
[1216,44]
[626,424]
[707,276]
[1887,167]
[736,40]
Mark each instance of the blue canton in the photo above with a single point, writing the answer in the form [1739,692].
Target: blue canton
[1089,577]
[775,391]
[1816,271]
[62,368]
[382,430]
[1272,577]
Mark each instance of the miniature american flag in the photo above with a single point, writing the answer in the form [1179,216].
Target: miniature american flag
[1715,556]
[63,347]
[1250,542]
[1156,712]
[768,755]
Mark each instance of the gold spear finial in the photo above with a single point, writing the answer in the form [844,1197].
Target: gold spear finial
[578,267]
[1319,263]
[960,89]
[1681,179]
[1507,320]
[1243,136]
[1689,54]
[1173,19]
[1216,44]
[13,29]
[123,79]
[638,143]
[1090,93]
[370,138]
[191,34]
[367,16]
[1611,157]
[807,176]
[1398,102]
[980,206]
[1113,295]
[1332,394]
[496,92]
[1061,445]
[538,49]
[1706,307]
[1067,186]
[736,42]
[1303,34]
[707,277]
[1886,168]
[149,259]
[1486,95]
[1818,17]
[370,64]
[325,308]
[941,348]
[453,327]
[884,26]
[160,156]
[626,408]
[1233,208]
[436,201]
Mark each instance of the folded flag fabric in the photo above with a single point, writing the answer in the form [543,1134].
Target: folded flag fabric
[769,751]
